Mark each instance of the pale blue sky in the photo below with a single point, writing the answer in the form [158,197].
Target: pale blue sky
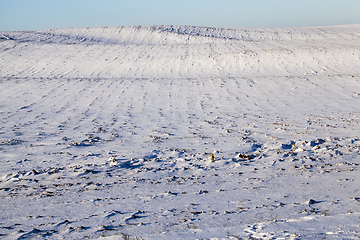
[18,15]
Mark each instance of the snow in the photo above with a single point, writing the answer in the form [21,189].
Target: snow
[112,130]
[173,52]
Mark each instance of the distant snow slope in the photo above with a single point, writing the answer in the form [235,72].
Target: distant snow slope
[174,51]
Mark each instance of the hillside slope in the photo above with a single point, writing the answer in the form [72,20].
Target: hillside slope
[172,132]
[174,51]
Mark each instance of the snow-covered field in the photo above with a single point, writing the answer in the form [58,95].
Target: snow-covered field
[171,132]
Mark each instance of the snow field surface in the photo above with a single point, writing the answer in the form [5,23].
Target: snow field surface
[170,132]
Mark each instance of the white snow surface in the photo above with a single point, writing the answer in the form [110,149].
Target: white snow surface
[173,52]
[175,132]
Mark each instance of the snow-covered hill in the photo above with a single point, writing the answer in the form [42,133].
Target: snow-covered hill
[187,52]
[170,132]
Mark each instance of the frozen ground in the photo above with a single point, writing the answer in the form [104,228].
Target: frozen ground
[111,130]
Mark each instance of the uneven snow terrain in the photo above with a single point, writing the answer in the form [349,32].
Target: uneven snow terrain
[170,132]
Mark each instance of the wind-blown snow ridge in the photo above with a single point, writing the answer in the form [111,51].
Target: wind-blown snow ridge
[179,51]
[146,34]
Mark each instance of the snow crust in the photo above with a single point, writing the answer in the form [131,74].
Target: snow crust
[176,132]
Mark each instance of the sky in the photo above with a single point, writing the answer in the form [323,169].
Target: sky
[25,15]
